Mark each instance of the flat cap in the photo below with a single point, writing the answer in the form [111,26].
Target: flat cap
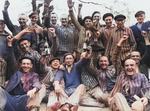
[120,17]
[26,57]
[107,15]
[55,58]
[139,13]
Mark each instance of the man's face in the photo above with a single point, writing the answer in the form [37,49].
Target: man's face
[140,18]
[136,56]
[26,65]
[2,27]
[25,45]
[64,20]
[88,23]
[120,23]
[97,17]
[108,20]
[55,64]
[22,19]
[34,19]
[53,19]
[130,67]
[103,62]
[69,60]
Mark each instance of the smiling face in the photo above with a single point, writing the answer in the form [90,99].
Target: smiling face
[69,60]
[130,67]
[97,17]
[25,45]
[135,55]
[120,23]
[22,19]
[108,20]
[26,65]
[88,23]
[64,20]
[54,18]
[34,19]
[103,62]
[140,18]
[55,64]
[2,27]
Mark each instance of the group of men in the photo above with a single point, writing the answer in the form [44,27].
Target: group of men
[80,62]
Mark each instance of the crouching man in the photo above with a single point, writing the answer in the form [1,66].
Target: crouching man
[21,87]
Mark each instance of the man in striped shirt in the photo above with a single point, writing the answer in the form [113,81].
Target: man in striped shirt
[116,34]
[128,84]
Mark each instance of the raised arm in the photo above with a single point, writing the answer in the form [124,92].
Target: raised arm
[73,19]
[6,16]
[116,61]
[79,15]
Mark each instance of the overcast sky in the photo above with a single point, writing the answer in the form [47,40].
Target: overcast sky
[126,7]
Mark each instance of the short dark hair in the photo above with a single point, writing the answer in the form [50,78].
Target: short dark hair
[33,13]
[139,13]
[25,57]
[107,15]
[2,21]
[95,13]
[87,17]
[67,55]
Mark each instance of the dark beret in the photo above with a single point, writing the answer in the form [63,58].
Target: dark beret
[139,12]
[95,13]
[23,39]
[26,57]
[87,17]
[55,58]
[120,17]
[108,14]
[2,21]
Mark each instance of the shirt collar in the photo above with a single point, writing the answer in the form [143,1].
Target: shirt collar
[113,25]
[118,29]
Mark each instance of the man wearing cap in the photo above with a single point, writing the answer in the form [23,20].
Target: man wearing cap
[116,34]
[49,73]
[104,31]
[137,31]
[21,87]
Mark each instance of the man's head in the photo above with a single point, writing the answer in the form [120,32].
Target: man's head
[96,16]
[22,19]
[136,56]
[24,44]
[140,16]
[130,67]
[69,59]
[2,26]
[88,21]
[108,18]
[120,20]
[54,18]
[55,63]
[34,17]
[64,20]
[103,62]
[26,63]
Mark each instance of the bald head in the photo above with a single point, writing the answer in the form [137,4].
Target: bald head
[130,67]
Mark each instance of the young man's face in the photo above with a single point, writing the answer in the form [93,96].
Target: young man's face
[97,17]
[136,56]
[88,23]
[2,27]
[22,19]
[69,60]
[54,19]
[26,65]
[25,45]
[55,64]
[108,20]
[130,67]
[34,19]
[140,18]
[120,23]
[103,62]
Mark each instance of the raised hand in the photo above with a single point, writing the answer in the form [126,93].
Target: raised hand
[80,6]
[51,8]
[122,40]
[52,31]
[6,5]
[144,33]
[9,40]
[70,4]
